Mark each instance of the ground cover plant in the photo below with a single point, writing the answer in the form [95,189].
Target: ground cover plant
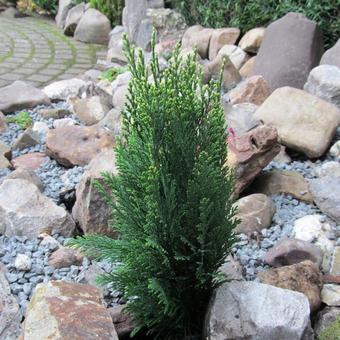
[172,200]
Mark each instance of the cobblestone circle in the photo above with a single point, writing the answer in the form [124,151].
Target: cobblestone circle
[34,50]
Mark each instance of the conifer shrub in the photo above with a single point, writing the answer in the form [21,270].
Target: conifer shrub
[172,199]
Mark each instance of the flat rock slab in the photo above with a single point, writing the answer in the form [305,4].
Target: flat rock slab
[68,311]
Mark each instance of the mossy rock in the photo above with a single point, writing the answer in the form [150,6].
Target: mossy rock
[332,332]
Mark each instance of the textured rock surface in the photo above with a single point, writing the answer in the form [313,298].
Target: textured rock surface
[247,69]
[250,153]
[24,211]
[221,37]
[304,122]
[255,212]
[330,295]
[291,47]
[26,174]
[65,257]
[77,145]
[245,310]
[90,210]
[236,55]
[73,18]
[327,316]
[332,56]
[62,310]
[303,277]
[62,89]
[252,40]
[20,95]
[30,161]
[122,321]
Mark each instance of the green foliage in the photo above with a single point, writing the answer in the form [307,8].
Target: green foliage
[113,9]
[48,5]
[22,119]
[332,332]
[111,74]
[171,201]
[247,14]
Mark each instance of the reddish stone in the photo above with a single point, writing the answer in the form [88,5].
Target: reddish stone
[30,161]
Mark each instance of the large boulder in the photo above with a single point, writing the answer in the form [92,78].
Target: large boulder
[24,211]
[304,122]
[90,210]
[62,89]
[251,310]
[73,18]
[63,310]
[21,95]
[221,37]
[10,316]
[326,195]
[303,277]
[324,82]
[93,27]
[291,47]
[255,213]
[63,8]
[77,145]
[332,56]
[250,153]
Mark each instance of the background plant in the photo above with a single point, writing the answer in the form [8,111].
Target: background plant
[171,201]
[247,14]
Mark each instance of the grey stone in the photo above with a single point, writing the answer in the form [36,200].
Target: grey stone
[21,95]
[73,18]
[155,3]
[332,56]
[330,295]
[324,82]
[324,318]
[291,47]
[64,7]
[251,310]
[112,121]
[26,139]
[62,89]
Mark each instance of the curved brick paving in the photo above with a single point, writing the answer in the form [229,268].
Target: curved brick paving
[34,50]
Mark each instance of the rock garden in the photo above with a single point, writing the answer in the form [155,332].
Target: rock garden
[63,144]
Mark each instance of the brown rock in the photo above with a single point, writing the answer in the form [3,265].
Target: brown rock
[250,153]
[27,174]
[68,311]
[247,68]
[255,212]
[303,277]
[31,161]
[291,251]
[3,125]
[199,37]
[122,321]
[65,257]
[252,40]
[236,55]
[221,37]
[283,182]
[5,151]
[54,113]
[253,90]
[77,145]
[26,139]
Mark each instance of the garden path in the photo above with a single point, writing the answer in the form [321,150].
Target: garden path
[36,51]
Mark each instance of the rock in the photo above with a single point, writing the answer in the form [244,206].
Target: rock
[90,210]
[328,169]
[252,40]
[54,113]
[23,262]
[326,195]
[330,295]
[65,257]
[52,304]
[122,321]
[58,123]
[335,266]
[5,151]
[120,96]
[10,312]
[232,269]
[303,277]
[62,89]
[332,56]
[283,182]
[253,90]
[240,117]
[247,69]
[47,240]
[93,27]
[90,275]
[324,318]
[291,251]
[4,163]
[24,211]
[198,37]
[255,212]
[40,128]
[11,13]
[236,55]
[155,3]
[112,121]
[291,47]
[221,37]
[26,139]
[20,95]
[26,174]
[311,228]
[293,112]
[92,75]
[335,150]
[245,310]
[31,161]
[250,153]
[90,110]
[3,125]
[324,82]
[64,7]
[77,145]
[73,17]
[104,89]
[282,157]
